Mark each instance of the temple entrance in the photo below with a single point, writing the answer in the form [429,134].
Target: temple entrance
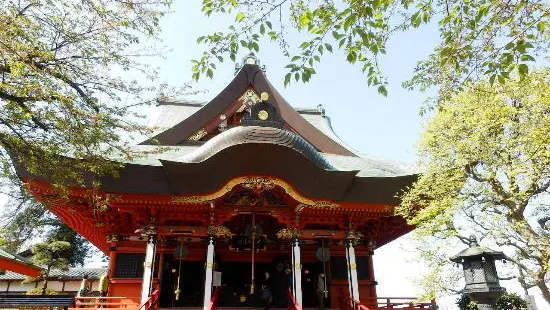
[236,286]
[310,282]
[191,283]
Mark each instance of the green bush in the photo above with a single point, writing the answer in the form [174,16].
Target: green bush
[508,301]
[38,291]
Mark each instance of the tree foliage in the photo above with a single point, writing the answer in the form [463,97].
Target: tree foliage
[508,301]
[53,255]
[486,170]
[478,37]
[68,80]
[25,220]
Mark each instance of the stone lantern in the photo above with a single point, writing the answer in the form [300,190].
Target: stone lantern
[480,274]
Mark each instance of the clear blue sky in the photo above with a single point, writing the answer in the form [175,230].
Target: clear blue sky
[374,125]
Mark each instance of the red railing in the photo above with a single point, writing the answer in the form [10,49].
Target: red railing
[405,303]
[151,303]
[215,297]
[95,302]
[345,301]
[293,304]
[402,303]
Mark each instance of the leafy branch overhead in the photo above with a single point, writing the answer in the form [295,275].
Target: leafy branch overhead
[64,86]
[478,37]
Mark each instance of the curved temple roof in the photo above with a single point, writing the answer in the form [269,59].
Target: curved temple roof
[249,77]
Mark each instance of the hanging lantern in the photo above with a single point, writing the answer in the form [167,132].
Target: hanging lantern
[181,251]
[323,254]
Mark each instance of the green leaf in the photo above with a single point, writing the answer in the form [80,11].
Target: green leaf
[328,47]
[304,20]
[526,57]
[305,45]
[523,70]
[541,26]
[287,78]
[351,57]
[240,17]
[492,79]
[382,90]
[337,35]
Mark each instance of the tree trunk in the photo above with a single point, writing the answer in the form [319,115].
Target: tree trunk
[544,289]
[45,286]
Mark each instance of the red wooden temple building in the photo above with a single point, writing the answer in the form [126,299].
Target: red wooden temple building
[243,185]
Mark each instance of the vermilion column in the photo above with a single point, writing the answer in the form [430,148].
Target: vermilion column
[112,263]
[112,239]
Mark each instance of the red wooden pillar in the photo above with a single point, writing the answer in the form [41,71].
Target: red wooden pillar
[112,264]
[372,286]
[371,275]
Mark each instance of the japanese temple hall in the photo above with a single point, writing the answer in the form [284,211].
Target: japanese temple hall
[242,185]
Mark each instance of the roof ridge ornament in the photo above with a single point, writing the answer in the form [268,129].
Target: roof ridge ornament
[250,59]
[263,114]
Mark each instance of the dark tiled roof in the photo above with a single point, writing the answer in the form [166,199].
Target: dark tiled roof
[477,251]
[71,274]
[256,134]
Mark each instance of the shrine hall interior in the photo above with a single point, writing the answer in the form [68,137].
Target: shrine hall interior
[228,189]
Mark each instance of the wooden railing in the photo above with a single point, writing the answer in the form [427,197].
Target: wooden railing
[151,303]
[345,301]
[293,305]
[402,303]
[405,303]
[96,302]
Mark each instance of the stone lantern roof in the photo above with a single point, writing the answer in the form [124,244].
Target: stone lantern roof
[475,250]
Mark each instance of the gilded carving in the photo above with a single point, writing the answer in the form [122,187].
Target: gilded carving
[256,183]
[323,205]
[288,234]
[263,115]
[190,199]
[250,98]
[198,135]
[112,238]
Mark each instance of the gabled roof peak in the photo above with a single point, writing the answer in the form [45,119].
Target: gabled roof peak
[250,59]
[228,108]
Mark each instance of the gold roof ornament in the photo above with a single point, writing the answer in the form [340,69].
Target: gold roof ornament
[263,115]
[264,96]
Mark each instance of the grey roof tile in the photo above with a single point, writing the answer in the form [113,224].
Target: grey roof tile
[71,274]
